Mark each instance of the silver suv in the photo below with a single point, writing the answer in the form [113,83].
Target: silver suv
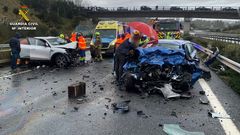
[51,49]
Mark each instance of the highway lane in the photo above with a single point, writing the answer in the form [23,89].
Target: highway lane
[28,105]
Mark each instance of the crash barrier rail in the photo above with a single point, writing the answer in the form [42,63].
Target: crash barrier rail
[4,53]
[224,60]
[235,39]
[166,8]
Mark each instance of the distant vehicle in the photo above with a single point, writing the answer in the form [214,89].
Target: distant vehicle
[176,9]
[108,32]
[166,26]
[52,49]
[145,8]
[230,9]
[101,9]
[122,9]
[203,9]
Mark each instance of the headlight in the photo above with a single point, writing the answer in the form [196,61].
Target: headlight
[91,43]
[113,42]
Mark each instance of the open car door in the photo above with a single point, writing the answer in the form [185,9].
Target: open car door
[25,48]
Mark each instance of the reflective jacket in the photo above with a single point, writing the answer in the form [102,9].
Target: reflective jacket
[119,42]
[82,45]
[73,37]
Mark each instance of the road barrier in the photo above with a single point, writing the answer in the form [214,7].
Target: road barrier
[224,60]
[224,37]
[4,53]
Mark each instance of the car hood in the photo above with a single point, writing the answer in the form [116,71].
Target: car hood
[160,56]
[72,45]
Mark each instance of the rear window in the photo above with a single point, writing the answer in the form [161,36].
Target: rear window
[169,46]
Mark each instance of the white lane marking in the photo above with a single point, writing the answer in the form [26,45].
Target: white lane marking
[227,124]
[22,72]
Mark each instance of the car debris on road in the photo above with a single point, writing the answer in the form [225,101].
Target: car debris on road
[204,101]
[174,129]
[121,107]
[159,69]
[218,115]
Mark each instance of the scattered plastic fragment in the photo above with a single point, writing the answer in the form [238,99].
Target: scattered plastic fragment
[142,114]
[167,91]
[121,107]
[204,101]
[174,129]
[174,114]
[202,92]
[218,115]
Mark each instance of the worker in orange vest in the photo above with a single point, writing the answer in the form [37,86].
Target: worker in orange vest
[127,36]
[73,37]
[82,46]
[120,40]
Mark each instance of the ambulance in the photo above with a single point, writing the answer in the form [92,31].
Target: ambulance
[109,30]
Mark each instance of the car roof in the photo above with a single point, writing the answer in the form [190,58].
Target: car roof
[174,42]
[50,37]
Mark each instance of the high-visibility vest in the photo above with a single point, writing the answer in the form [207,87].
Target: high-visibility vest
[177,36]
[160,35]
[169,35]
[127,36]
[82,45]
[73,37]
[119,42]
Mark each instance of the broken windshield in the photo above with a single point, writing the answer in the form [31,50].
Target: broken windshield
[169,46]
[57,41]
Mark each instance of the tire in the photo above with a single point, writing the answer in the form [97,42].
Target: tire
[61,61]
[129,83]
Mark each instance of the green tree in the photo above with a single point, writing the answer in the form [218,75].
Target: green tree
[5,9]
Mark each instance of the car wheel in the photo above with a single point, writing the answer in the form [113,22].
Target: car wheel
[129,83]
[61,61]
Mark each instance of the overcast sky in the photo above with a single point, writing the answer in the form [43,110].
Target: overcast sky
[131,3]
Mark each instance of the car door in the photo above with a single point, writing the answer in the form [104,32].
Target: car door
[39,49]
[25,49]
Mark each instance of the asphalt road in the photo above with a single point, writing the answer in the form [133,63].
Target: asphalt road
[28,105]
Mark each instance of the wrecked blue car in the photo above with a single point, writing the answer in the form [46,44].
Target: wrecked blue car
[172,62]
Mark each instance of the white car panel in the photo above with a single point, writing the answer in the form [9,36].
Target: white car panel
[25,51]
[40,52]
[41,49]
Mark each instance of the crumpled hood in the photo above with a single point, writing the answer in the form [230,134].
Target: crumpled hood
[160,55]
[72,45]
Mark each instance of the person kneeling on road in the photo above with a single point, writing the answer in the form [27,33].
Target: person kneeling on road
[123,51]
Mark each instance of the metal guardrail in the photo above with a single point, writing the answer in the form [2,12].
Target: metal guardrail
[4,53]
[224,60]
[235,39]
[165,8]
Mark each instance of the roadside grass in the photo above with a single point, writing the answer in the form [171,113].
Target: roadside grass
[229,50]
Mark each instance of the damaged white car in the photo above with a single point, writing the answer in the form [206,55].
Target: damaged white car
[51,49]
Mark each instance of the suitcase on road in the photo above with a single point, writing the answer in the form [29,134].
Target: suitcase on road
[77,90]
